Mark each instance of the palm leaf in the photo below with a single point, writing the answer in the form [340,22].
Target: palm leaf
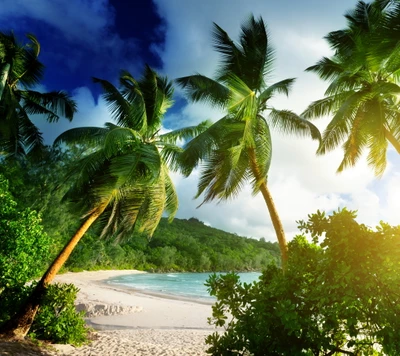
[171,201]
[54,104]
[121,111]
[119,140]
[340,125]
[282,87]
[289,123]
[87,135]
[185,133]
[201,88]
[201,146]
[262,152]
[355,142]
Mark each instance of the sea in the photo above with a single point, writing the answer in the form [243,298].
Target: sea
[187,285]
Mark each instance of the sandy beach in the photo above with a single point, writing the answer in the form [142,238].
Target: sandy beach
[129,322]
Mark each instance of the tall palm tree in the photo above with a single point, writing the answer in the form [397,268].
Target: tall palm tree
[123,179]
[238,147]
[20,70]
[363,94]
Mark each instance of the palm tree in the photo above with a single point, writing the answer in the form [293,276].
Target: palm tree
[21,70]
[238,147]
[123,179]
[363,94]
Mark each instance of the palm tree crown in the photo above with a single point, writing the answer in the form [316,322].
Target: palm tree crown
[238,147]
[21,70]
[126,168]
[364,86]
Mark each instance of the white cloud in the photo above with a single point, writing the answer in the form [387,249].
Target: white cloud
[299,181]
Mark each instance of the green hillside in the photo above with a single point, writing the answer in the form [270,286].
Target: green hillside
[183,245]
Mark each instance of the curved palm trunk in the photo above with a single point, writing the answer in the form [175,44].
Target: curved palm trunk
[392,140]
[20,324]
[276,221]
[3,77]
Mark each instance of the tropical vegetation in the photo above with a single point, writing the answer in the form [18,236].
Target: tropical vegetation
[237,148]
[20,74]
[23,256]
[184,245]
[363,91]
[336,292]
[340,295]
[123,175]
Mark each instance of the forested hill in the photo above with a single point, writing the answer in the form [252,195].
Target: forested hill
[183,245]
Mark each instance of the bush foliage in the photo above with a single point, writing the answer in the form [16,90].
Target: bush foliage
[24,249]
[57,319]
[339,295]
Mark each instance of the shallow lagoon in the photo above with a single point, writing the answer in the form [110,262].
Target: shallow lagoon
[176,284]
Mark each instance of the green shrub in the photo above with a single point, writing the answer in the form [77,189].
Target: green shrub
[57,320]
[24,248]
[339,295]
[11,299]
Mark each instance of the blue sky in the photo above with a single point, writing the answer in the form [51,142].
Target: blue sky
[85,38]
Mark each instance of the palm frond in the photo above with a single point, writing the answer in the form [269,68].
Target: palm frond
[243,101]
[258,53]
[355,143]
[262,153]
[201,88]
[288,122]
[325,106]
[170,154]
[185,133]
[224,174]
[171,201]
[282,87]
[143,164]
[230,52]
[326,68]
[54,104]
[340,40]
[32,138]
[157,96]
[27,69]
[151,211]
[87,135]
[121,111]
[119,140]
[200,147]
[340,125]
[377,153]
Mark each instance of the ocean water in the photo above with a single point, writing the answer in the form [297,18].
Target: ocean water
[190,285]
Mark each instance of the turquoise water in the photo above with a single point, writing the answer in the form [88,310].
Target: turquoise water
[177,284]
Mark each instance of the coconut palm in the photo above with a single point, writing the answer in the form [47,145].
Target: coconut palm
[238,147]
[20,71]
[364,87]
[123,179]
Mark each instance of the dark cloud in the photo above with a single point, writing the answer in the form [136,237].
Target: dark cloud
[84,38]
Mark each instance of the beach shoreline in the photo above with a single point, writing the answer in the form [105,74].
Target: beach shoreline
[153,309]
[157,323]
[131,321]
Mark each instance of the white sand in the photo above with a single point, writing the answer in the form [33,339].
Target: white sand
[151,325]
